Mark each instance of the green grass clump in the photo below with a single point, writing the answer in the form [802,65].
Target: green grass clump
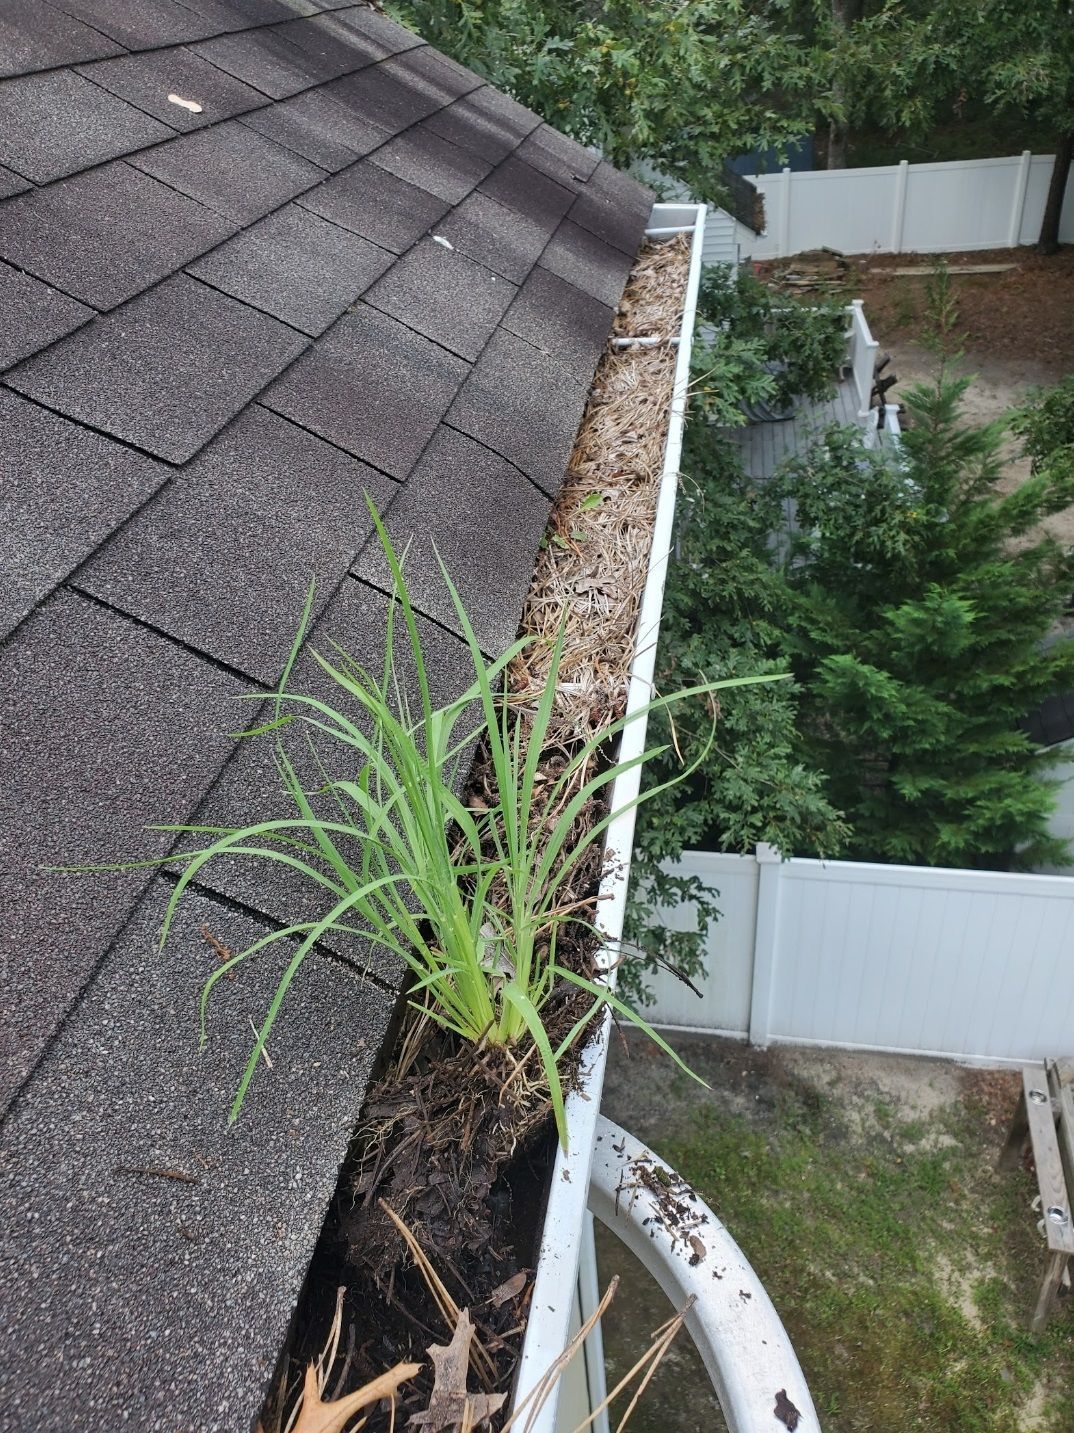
[472,901]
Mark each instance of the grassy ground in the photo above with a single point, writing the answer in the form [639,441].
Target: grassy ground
[901,1263]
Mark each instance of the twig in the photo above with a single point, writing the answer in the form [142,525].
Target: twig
[179,1175]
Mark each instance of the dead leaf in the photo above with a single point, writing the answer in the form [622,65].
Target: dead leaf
[507,1291]
[451,1407]
[320,1417]
[785,1410]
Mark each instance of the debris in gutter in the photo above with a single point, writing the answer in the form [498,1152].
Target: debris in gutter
[785,1410]
[191,105]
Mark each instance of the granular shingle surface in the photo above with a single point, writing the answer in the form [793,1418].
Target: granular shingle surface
[64,490]
[232,169]
[148,80]
[524,406]
[124,1089]
[147,25]
[88,763]
[348,389]
[11,183]
[486,560]
[120,372]
[107,235]
[296,267]
[56,124]
[597,268]
[261,58]
[507,241]
[220,330]
[369,201]
[611,206]
[554,154]
[442,294]
[34,36]
[319,128]
[562,321]
[32,314]
[255,516]
[423,158]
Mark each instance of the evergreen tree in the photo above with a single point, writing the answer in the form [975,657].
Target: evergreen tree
[724,612]
[921,598]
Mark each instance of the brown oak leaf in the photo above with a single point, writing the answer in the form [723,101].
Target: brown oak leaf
[450,1405]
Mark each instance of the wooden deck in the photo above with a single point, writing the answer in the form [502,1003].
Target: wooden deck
[763,446]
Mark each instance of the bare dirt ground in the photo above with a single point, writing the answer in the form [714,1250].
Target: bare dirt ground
[1016,330]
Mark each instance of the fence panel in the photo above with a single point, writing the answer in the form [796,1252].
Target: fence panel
[958,205]
[728,986]
[975,964]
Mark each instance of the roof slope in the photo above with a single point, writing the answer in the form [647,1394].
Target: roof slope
[342,264]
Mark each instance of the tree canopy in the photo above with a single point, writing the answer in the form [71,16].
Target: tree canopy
[683,86]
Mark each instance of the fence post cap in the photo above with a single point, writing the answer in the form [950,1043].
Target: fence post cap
[767,854]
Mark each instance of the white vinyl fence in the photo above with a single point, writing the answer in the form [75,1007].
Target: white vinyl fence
[966,964]
[958,205]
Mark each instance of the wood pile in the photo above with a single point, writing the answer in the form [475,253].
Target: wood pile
[816,271]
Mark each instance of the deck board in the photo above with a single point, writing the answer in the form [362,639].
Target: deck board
[763,446]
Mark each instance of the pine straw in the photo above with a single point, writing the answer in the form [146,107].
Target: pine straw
[593,564]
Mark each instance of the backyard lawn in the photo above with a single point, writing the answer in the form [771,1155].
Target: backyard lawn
[863,1189]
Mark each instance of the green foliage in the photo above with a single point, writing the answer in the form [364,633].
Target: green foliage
[1046,427]
[753,346]
[921,596]
[682,86]
[723,614]
[472,901]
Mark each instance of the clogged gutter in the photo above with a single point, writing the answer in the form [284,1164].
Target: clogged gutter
[590,576]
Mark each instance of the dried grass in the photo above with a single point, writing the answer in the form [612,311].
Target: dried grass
[593,564]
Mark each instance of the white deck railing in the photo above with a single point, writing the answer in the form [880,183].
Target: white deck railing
[862,349]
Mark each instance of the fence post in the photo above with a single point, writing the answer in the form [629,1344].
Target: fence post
[766,932]
[1018,203]
[898,214]
[785,215]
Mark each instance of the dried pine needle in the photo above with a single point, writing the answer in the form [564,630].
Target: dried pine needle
[595,558]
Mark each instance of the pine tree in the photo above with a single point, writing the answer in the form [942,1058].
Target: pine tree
[922,595]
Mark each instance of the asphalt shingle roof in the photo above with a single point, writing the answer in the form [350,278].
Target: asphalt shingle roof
[220,328]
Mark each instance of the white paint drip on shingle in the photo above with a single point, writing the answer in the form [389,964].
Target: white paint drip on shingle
[439,239]
[191,105]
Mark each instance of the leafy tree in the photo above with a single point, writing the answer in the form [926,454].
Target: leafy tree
[921,595]
[1028,51]
[680,85]
[1046,427]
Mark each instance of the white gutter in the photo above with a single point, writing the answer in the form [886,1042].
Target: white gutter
[548,1330]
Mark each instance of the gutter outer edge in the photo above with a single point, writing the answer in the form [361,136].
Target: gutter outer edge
[548,1327]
